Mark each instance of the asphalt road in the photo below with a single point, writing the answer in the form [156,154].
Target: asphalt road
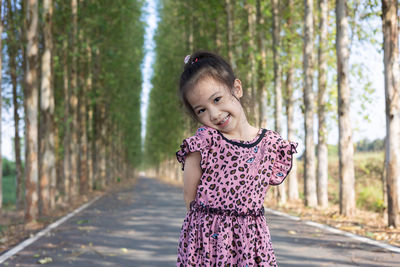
[139,226]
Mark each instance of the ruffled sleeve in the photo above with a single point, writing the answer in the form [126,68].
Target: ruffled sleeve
[201,142]
[283,161]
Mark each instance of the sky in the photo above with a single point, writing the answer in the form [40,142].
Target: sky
[361,52]
[150,17]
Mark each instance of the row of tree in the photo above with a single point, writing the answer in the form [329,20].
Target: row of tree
[74,66]
[301,41]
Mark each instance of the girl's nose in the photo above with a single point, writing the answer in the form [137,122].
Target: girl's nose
[215,115]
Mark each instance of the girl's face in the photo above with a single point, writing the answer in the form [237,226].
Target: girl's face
[216,107]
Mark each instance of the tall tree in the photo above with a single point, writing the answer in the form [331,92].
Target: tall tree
[82,109]
[293,190]
[310,191]
[252,73]
[262,65]
[67,128]
[392,94]
[31,113]
[47,169]
[73,102]
[322,162]
[229,7]
[277,80]
[346,151]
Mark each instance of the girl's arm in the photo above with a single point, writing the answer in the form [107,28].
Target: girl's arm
[191,177]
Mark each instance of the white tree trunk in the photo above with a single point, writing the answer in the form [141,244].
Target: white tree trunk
[73,102]
[277,82]
[47,159]
[392,95]
[310,190]
[293,187]
[67,129]
[346,151]
[31,114]
[322,167]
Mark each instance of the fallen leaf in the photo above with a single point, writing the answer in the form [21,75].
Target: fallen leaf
[124,250]
[292,232]
[45,260]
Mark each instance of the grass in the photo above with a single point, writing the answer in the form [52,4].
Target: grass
[368,180]
[9,191]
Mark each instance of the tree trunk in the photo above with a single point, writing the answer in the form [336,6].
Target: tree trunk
[73,102]
[293,190]
[31,111]
[17,142]
[47,160]
[83,176]
[277,82]
[102,163]
[90,117]
[67,129]
[392,95]
[310,191]
[346,165]
[251,73]
[262,67]
[229,8]
[322,162]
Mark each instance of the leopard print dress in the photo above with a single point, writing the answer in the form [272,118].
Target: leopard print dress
[225,225]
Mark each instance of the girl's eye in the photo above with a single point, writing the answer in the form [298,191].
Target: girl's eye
[200,111]
[217,99]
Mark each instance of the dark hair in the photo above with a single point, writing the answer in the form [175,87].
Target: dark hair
[203,64]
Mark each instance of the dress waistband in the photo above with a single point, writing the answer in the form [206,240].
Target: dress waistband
[220,211]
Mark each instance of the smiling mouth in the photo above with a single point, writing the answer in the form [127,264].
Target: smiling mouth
[225,121]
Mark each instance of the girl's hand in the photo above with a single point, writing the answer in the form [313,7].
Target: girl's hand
[191,177]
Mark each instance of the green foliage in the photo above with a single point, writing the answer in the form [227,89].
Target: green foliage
[115,35]
[9,190]
[8,167]
[368,145]
[370,198]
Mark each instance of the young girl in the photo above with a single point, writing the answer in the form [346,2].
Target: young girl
[228,165]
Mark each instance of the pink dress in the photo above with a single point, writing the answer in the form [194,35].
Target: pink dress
[225,225]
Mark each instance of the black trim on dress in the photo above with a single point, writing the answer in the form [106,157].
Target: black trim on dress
[244,144]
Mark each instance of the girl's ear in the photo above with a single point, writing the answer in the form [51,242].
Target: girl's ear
[237,89]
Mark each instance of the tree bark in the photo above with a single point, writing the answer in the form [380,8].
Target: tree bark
[102,163]
[392,95]
[73,102]
[252,73]
[310,191]
[47,169]
[322,162]
[293,187]
[83,176]
[31,111]
[277,82]
[67,129]
[262,66]
[17,142]
[229,7]
[90,117]
[346,151]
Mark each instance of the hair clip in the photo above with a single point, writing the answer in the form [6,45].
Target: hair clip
[187,59]
[195,60]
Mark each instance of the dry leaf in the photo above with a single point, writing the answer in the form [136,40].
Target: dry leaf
[45,260]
